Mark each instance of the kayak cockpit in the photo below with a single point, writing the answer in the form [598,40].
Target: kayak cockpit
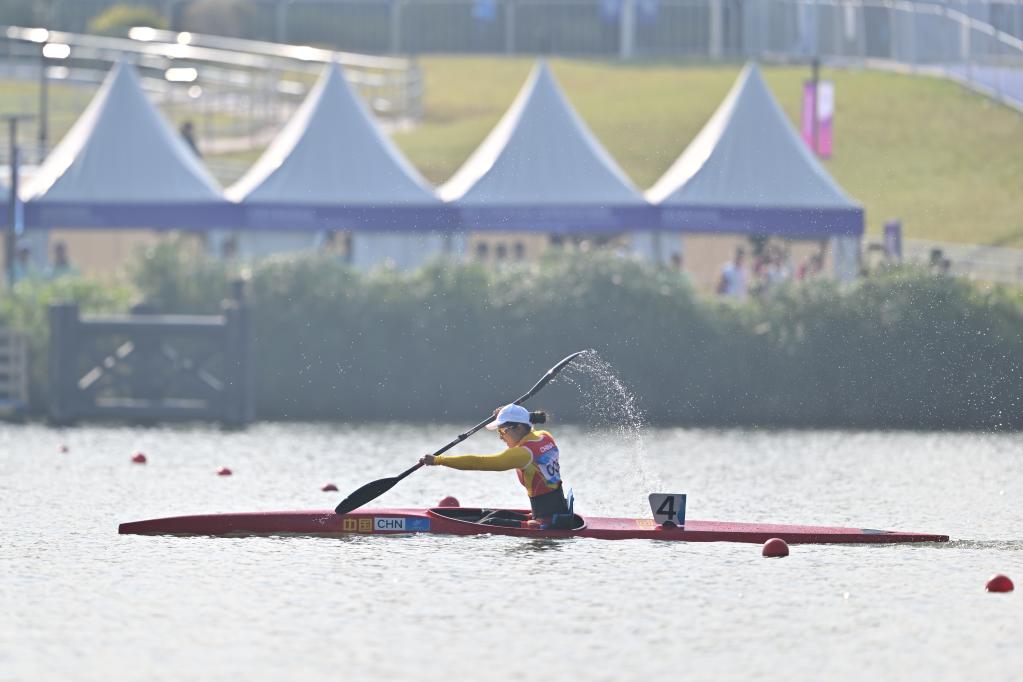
[500,518]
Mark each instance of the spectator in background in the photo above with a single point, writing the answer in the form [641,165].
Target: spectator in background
[811,268]
[774,270]
[61,265]
[939,264]
[229,248]
[678,266]
[23,266]
[188,133]
[733,282]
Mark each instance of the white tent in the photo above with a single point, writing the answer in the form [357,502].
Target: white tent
[122,164]
[542,169]
[331,153]
[331,168]
[748,172]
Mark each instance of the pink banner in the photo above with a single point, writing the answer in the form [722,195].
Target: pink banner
[819,140]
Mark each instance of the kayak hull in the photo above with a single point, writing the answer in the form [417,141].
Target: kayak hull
[445,521]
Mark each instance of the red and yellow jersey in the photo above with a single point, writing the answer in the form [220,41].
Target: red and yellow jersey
[535,457]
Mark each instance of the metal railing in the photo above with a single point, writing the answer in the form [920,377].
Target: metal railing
[238,93]
[241,91]
[927,38]
[514,26]
[977,42]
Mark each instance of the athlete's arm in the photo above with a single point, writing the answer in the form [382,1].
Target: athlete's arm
[517,457]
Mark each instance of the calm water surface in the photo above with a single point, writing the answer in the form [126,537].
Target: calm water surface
[81,602]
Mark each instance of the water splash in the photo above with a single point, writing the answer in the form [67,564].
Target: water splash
[614,419]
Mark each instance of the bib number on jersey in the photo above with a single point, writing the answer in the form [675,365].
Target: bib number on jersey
[549,467]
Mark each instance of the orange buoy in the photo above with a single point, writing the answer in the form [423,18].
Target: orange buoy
[224,471]
[776,547]
[449,501]
[329,488]
[138,458]
[1000,583]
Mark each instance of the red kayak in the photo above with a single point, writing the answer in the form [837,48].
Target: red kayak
[475,521]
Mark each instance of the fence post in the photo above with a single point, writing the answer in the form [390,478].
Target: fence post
[145,358]
[912,37]
[63,356]
[627,30]
[714,47]
[509,26]
[396,26]
[281,21]
[239,405]
[247,400]
[230,413]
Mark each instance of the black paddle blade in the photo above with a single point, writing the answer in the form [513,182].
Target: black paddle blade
[366,493]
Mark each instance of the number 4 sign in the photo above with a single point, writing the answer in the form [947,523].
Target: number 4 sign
[668,508]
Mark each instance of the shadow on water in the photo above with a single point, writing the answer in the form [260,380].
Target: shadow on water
[535,545]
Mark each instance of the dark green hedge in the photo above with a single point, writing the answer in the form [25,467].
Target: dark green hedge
[906,349]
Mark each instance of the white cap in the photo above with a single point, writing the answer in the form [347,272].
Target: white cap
[510,413]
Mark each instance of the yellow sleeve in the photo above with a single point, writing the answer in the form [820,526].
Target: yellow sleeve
[512,458]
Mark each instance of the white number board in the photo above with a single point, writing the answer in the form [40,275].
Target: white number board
[668,508]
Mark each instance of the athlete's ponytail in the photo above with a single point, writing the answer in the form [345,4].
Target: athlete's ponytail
[538,417]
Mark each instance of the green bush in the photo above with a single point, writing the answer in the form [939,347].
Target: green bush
[116,20]
[904,349]
[175,275]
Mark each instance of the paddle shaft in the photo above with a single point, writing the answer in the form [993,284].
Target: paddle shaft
[375,489]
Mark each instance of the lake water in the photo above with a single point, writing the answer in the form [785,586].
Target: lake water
[81,602]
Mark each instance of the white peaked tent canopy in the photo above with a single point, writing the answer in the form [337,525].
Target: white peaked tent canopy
[747,172]
[541,168]
[122,165]
[332,168]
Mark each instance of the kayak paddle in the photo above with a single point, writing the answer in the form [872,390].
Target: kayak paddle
[375,489]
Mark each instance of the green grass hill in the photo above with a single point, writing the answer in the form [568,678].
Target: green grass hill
[946,161]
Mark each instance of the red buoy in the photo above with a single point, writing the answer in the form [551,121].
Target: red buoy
[329,488]
[223,471]
[138,458]
[1000,583]
[449,501]
[776,547]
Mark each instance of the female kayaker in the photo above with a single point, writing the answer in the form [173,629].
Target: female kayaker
[532,453]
